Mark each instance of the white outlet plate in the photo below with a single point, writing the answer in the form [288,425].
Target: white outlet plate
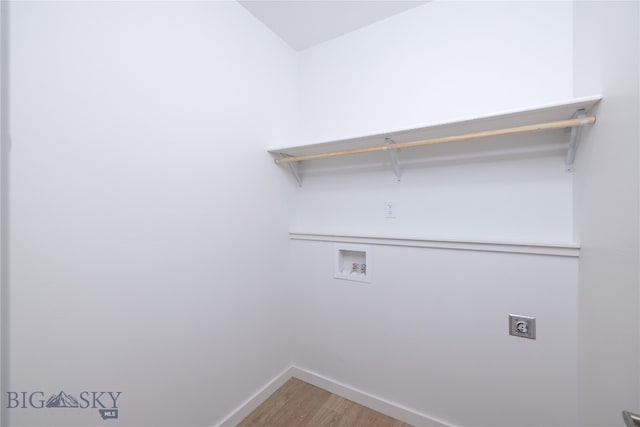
[522,326]
[389,210]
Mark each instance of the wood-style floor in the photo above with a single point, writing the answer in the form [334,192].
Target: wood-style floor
[299,404]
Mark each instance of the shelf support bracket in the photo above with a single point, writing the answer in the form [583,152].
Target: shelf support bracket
[575,136]
[393,155]
[293,168]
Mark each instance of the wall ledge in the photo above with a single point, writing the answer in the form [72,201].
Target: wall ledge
[535,248]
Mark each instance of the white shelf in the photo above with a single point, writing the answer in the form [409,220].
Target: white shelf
[561,110]
[556,140]
[568,249]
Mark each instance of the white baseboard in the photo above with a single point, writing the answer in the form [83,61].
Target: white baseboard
[378,404]
[241,412]
[365,399]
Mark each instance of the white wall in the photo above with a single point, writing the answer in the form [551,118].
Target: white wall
[431,331]
[149,226]
[607,60]
[444,60]
[147,220]
[4,141]
[440,62]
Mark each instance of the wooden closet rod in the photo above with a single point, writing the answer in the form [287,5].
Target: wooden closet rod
[455,138]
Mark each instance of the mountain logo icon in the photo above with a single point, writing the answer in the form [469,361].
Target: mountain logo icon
[62,400]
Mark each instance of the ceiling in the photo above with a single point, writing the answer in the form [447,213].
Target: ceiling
[305,23]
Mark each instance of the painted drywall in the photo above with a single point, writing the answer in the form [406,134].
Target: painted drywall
[607,184]
[130,274]
[430,332]
[4,143]
[146,255]
[509,199]
[439,62]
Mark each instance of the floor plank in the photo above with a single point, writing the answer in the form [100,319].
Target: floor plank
[300,404]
